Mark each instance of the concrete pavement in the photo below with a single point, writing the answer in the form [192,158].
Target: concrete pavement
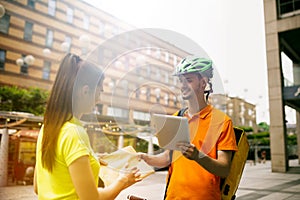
[257,183]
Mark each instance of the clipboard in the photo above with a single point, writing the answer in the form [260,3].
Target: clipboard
[170,129]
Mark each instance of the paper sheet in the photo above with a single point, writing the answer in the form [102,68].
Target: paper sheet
[116,162]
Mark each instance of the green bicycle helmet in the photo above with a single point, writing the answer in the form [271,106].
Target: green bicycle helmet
[203,66]
[193,64]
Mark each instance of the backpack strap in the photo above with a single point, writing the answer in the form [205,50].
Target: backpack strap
[179,113]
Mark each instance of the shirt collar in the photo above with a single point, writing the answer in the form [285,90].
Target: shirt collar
[202,113]
[205,111]
[76,121]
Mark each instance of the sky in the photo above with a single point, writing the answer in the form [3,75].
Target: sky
[231,32]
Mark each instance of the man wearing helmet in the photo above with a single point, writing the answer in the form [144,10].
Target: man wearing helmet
[207,158]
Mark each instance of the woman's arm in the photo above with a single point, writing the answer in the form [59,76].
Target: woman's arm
[35,186]
[85,186]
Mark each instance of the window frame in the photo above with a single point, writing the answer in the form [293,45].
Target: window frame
[28,31]
[4,28]
[46,70]
[49,38]
[2,61]
[52,7]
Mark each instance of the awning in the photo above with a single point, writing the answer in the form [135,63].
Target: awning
[30,134]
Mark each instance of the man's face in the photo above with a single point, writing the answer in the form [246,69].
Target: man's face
[191,85]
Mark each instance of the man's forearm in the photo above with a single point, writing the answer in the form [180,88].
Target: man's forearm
[160,160]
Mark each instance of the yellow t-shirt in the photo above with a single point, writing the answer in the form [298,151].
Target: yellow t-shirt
[210,130]
[73,143]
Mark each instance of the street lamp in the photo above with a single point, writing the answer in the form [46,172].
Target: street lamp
[46,52]
[65,46]
[24,62]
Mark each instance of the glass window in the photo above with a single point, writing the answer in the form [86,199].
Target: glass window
[28,31]
[31,3]
[288,6]
[157,76]
[175,100]
[2,59]
[115,30]
[167,57]
[157,99]
[4,23]
[86,22]
[51,7]
[148,70]
[166,77]
[68,39]
[46,70]
[148,94]
[49,38]
[242,120]
[141,115]
[24,67]
[70,15]
[250,123]
[175,80]
[101,28]
[117,112]
[166,98]
[175,61]
[158,54]
[137,92]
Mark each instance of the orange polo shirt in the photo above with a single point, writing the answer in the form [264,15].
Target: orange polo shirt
[210,130]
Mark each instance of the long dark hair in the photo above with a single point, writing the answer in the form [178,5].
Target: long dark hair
[73,73]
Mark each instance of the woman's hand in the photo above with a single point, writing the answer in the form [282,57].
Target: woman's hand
[100,158]
[129,177]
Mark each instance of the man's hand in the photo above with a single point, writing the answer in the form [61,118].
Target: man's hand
[188,150]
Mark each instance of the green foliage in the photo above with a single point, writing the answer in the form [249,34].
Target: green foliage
[292,139]
[258,135]
[32,100]
[263,138]
[264,141]
[142,146]
[246,128]
[263,126]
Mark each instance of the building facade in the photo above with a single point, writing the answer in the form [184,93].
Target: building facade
[241,112]
[282,29]
[35,35]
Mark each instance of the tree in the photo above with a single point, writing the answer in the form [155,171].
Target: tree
[32,100]
[263,126]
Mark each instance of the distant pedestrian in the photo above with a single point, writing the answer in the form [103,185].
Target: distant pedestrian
[263,156]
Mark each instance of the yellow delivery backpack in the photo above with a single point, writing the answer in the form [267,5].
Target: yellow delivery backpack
[230,184]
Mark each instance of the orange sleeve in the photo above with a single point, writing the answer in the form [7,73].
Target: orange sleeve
[227,139]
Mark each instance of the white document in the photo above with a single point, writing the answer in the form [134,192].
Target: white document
[116,162]
[170,130]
